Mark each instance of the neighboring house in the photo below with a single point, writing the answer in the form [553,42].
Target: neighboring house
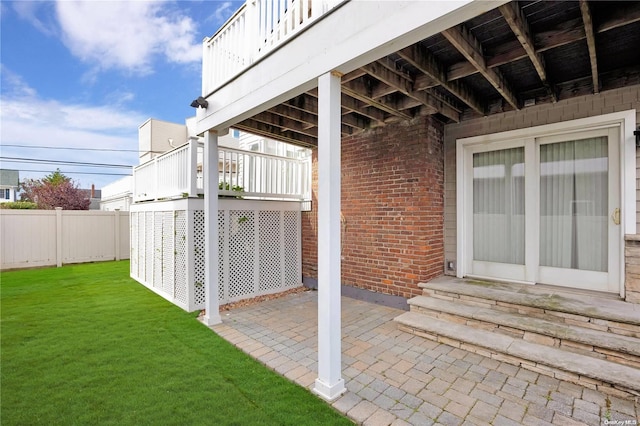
[94,195]
[9,184]
[117,195]
[491,140]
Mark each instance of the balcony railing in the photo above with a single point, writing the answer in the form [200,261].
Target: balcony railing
[257,28]
[246,174]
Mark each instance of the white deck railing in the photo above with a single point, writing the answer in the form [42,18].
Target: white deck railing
[257,28]
[263,176]
[170,175]
[178,174]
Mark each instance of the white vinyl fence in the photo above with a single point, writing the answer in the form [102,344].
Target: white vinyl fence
[34,238]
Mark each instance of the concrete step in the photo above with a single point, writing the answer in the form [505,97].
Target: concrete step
[573,338]
[606,376]
[593,311]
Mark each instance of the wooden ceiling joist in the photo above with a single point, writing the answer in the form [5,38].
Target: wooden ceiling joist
[261,129]
[349,106]
[424,61]
[466,43]
[566,32]
[405,87]
[591,43]
[357,91]
[517,22]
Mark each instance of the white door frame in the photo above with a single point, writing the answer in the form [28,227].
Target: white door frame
[625,121]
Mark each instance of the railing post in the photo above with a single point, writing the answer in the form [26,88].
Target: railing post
[156,176]
[192,167]
[252,30]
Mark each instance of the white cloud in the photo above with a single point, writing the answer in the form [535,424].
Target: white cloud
[223,12]
[29,119]
[127,35]
[37,14]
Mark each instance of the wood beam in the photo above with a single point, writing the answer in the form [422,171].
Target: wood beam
[357,91]
[261,129]
[566,32]
[520,27]
[288,123]
[285,124]
[466,43]
[424,61]
[302,116]
[591,43]
[349,106]
[405,87]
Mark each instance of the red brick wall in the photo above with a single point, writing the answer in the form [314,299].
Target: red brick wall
[392,207]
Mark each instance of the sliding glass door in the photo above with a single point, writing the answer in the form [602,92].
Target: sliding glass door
[546,210]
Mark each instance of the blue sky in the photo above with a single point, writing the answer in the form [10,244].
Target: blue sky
[86,74]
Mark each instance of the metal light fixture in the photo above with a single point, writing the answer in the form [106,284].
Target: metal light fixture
[637,135]
[200,103]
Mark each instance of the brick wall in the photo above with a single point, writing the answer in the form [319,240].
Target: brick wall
[392,208]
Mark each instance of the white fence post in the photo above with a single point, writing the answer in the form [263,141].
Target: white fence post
[58,236]
[117,233]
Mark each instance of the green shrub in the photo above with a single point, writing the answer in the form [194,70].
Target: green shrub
[234,188]
[19,205]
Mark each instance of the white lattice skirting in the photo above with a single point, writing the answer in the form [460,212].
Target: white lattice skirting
[259,246]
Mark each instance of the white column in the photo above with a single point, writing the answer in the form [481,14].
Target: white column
[210,172]
[329,383]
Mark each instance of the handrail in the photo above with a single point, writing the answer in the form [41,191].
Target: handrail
[257,28]
[178,174]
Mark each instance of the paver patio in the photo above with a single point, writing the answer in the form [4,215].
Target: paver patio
[396,378]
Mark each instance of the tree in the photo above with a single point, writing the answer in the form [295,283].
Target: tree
[54,190]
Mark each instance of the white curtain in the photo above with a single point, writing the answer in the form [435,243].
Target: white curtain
[574,204]
[498,206]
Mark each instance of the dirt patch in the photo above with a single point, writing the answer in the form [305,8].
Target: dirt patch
[257,299]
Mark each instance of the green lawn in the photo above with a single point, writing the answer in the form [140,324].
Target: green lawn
[87,345]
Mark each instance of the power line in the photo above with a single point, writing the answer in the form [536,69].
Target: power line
[75,173]
[67,163]
[80,149]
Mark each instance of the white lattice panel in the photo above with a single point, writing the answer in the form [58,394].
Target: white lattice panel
[270,255]
[180,285]
[148,252]
[199,254]
[254,245]
[222,293]
[157,250]
[168,244]
[241,254]
[293,274]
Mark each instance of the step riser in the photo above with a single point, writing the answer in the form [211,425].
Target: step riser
[629,330]
[588,382]
[565,344]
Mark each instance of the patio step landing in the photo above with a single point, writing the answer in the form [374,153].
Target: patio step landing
[588,339]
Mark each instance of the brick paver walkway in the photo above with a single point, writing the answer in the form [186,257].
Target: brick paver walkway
[395,378]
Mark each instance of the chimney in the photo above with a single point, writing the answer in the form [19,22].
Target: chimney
[93,191]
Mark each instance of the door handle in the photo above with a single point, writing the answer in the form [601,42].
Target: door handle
[615,216]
